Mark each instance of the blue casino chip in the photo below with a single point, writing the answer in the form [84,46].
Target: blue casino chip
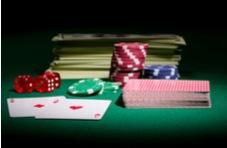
[175,77]
[161,72]
[158,72]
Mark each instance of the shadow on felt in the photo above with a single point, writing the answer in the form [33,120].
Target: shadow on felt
[12,90]
[120,102]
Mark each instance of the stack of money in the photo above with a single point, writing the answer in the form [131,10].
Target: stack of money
[89,55]
[165,50]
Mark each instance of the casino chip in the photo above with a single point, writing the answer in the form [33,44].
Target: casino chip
[86,87]
[127,61]
[161,72]
[109,87]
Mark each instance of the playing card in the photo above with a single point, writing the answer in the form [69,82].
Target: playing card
[167,85]
[26,107]
[75,109]
[166,93]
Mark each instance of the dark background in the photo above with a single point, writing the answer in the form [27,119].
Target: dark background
[24,15]
[202,24]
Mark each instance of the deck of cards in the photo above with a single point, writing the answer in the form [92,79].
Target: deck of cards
[57,108]
[144,93]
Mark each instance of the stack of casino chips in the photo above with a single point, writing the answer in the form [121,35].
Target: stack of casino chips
[80,56]
[127,61]
[161,72]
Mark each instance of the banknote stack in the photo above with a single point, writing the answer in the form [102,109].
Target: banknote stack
[89,55]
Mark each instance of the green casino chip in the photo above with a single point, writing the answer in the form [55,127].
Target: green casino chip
[111,86]
[86,87]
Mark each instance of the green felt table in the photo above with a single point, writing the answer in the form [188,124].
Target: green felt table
[203,59]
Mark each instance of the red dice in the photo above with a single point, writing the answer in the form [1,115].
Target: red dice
[43,84]
[55,76]
[46,82]
[24,83]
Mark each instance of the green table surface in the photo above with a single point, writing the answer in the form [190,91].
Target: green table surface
[203,59]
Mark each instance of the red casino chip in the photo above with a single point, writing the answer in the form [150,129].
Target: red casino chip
[123,77]
[134,45]
[127,61]
[124,73]
[128,67]
[129,55]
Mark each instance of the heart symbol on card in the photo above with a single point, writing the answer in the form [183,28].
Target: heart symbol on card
[39,105]
[74,107]
[97,115]
[56,101]
[12,100]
